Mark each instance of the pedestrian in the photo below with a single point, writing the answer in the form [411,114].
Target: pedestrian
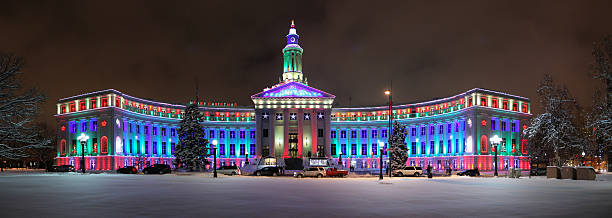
[429,171]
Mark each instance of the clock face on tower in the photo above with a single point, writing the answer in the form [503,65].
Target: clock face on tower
[292,39]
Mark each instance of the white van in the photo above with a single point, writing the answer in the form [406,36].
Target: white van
[409,171]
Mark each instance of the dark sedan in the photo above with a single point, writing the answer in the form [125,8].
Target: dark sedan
[157,169]
[127,170]
[473,172]
[268,171]
[61,168]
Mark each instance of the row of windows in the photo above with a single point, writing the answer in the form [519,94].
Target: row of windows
[494,104]
[364,133]
[514,125]
[232,149]
[364,149]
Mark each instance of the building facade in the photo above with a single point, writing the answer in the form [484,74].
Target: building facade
[294,122]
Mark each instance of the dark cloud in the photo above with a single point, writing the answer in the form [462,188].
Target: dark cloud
[351,48]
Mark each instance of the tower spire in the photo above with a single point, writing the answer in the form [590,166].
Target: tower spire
[292,56]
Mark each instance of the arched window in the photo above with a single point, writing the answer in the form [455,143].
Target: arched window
[63,147]
[483,144]
[104,145]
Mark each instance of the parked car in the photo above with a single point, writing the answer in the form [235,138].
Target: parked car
[61,168]
[269,171]
[472,172]
[229,170]
[538,172]
[409,171]
[332,172]
[157,169]
[318,172]
[127,170]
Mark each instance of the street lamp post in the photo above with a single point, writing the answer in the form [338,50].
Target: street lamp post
[495,142]
[83,139]
[390,130]
[340,159]
[381,145]
[215,142]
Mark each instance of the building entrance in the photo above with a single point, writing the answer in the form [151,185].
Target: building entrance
[293,144]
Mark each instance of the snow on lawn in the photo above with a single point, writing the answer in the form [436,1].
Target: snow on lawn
[198,195]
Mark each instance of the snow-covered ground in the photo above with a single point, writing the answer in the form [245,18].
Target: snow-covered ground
[113,195]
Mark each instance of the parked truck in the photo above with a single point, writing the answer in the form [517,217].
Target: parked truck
[335,172]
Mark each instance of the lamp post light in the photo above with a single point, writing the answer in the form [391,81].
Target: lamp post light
[495,140]
[390,130]
[582,162]
[215,142]
[381,145]
[83,139]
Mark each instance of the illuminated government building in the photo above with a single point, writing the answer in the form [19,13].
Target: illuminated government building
[292,121]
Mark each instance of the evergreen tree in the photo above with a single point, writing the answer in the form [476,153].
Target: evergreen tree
[192,148]
[399,151]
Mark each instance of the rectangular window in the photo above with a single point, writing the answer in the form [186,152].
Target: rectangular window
[449,128]
[353,134]
[505,105]
[72,108]
[129,148]
[154,130]
[172,132]
[232,150]
[441,147]
[163,131]
[164,149]
[172,147]
[422,147]
[146,130]
[374,149]
[222,134]
[456,127]
[493,124]
[440,129]
[343,134]
[515,106]
[333,134]
[503,126]
[94,125]
[154,147]
[138,150]
[470,102]
[252,134]
[494,103]
[422,130]
[524,106]
[320,133]
[83,106]
[264,133]
[364,149]
[343,149]
[63,109]
[211,133]
[431,130]
[364,133]
[83,126]
[449,147]
[354,149]
[383,133]
[432,146]
[413,148]
[333,149]
[457,146]
[374,133]
[104,102]
[221,149]
[483,101]
[92,104]
[242,134]
[252,148]
[232,134]
[413,131]
[146,147]
[242,149]
[137,129]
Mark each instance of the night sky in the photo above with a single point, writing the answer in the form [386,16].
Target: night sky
[351,49]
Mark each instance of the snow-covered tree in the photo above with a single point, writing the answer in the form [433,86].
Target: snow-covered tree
[18,108]
[554,130]
[599,120]
[192,148]
[399,151]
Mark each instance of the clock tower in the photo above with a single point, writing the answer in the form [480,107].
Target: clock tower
[292,56]
[293,119]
